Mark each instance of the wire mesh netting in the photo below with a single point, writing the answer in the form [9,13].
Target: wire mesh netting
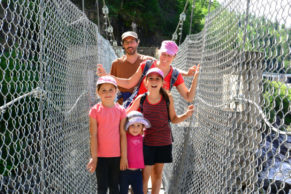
[238,140]
[48,56]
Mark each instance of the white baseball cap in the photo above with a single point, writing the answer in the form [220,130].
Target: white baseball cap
[129,34]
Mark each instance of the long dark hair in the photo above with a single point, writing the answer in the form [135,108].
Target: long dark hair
[165,94]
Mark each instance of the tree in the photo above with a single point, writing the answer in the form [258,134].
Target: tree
[156,20]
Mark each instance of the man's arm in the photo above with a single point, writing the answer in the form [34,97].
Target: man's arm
[122,82]
[134,105]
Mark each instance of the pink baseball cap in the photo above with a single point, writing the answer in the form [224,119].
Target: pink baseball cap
[106,79]
[155,70]
[169,47]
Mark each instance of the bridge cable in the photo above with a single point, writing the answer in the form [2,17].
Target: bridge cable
[191,17]
[179,27]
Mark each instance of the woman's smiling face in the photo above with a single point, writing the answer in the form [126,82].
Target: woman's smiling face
[166,59]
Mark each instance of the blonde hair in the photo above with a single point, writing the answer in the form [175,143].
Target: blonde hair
[157,53]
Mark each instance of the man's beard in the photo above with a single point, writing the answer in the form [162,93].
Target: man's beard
[131,52]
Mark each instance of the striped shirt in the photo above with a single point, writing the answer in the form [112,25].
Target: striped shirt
[160,132]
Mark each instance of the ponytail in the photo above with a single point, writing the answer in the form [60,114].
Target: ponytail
[165,94]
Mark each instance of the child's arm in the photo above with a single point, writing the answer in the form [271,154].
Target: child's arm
[123,146]
[134,105]
[91,166]
[178,118]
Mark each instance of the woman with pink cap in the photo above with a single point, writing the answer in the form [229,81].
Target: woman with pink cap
[168,52]
[157,106]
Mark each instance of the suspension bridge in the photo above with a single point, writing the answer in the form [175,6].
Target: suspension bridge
[237,141]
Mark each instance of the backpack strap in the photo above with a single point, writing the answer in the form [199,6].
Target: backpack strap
[174,77]
[169,119]
[142,99]
[134,93]
[168,109]
[146,68]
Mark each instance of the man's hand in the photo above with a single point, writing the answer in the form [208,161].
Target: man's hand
[100,70]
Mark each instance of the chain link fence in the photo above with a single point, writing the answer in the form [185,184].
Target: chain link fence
[48,56]
[238,140]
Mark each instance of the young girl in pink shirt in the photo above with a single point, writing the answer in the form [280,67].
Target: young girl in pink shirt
[135,125]
[107,137]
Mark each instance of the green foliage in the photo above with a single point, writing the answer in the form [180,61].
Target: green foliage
[150,16]
[17,77]
[277,101]
[156,20]
[199,14]
[270,38]
[260,35]
[287,65]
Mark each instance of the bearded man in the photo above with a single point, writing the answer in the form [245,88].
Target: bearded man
[127,65]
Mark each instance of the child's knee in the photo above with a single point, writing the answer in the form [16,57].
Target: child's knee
[157,173]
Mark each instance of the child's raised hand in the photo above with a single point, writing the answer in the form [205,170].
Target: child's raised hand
[100,70]
[92,164]
[190,110]
[123,163]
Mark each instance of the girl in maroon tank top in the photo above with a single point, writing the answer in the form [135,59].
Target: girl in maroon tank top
[157,139]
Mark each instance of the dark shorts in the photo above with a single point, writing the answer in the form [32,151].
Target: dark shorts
[157,154]
[133,178]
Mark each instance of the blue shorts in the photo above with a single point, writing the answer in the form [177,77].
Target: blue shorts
[157,154]
[133,178]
